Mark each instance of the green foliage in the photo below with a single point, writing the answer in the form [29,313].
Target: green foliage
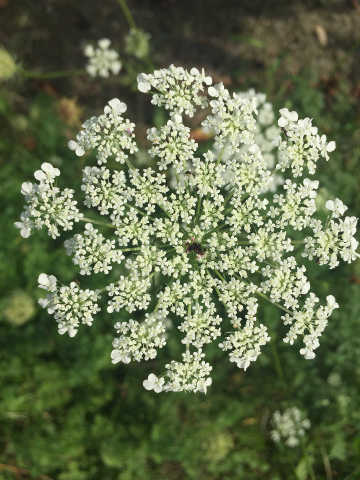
[67,413]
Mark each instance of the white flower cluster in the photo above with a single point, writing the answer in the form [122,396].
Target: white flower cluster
[289,427]
[232,118]
[110,134]
[92,252]
[139,340]
[137,43]
[102,60]
[171,145]
[334,241]
[311,320]
[302,146]
[47,205]
[190,375]
[266,134]
[244,344]
[69,304]
[176,89]
[217,241]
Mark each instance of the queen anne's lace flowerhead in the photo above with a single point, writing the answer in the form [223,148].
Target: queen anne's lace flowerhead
[289,427]
[198,239]
[102,60]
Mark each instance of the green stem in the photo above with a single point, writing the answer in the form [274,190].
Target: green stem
[163,210]
[129,164]
[326,462]
[127,14]
[308,462]
[278,367]
[220,276]
[216,229]
[48,75]
[198,208]
[97,222]
[138,210]
[228,197]
[298,242]
[274,303]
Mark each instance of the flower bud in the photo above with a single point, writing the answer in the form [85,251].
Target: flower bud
[8,66]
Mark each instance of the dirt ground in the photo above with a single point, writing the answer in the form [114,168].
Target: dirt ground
[228,37]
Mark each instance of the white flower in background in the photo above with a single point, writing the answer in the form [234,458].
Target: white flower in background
[289,427]
[137,43]
[102,60]
[174,251]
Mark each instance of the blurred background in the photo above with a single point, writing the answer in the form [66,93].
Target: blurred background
[66,412]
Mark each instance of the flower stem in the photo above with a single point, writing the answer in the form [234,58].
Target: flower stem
[220,276]
[298,242]
[97,222]
[229,196]
[326,462]
[48,75]
[127,13]
[198,208]
[274,303]
[278,367]
[215,229]
[129,164]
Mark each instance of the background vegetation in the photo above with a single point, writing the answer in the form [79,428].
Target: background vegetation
[66,413]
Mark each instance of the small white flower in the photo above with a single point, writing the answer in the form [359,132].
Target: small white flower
[47,282]
[26,188]
[25,229]
[79,151]
[212,91]
[104,43]
[144,84]
[287,117]
[153,383]
[40,175]
[50,170]
[331,146]
[116,105]
[337,207]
